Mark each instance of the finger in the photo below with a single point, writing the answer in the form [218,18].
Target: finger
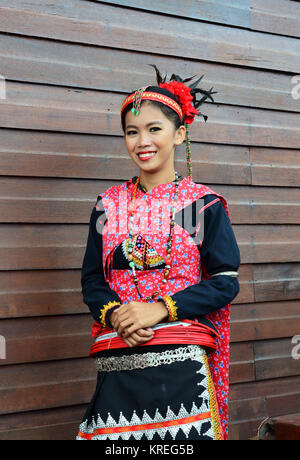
[134,339]
[127,327]
[119,317]
[138,326]
[130,342]
[129,330]
[121,309]
[113,316]
[140,339]
[122,329]
[144,332]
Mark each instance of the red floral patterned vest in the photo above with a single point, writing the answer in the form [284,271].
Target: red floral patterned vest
[186,266]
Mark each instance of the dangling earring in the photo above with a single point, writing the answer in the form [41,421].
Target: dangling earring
[188,152]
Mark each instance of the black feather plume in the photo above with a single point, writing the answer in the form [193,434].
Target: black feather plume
[206,94]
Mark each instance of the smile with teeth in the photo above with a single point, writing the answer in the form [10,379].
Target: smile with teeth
[146,155]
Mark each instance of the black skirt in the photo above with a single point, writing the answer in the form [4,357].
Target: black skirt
[152,393]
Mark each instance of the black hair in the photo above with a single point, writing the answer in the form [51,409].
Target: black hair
[167,111]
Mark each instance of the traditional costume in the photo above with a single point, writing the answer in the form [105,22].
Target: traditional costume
[175,386]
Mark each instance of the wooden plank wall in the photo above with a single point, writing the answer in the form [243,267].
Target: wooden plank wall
[67,65]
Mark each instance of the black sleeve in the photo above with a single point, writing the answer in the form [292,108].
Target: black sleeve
[97,294]
[220,253]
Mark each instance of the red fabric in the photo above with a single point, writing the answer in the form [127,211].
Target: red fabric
[196,333]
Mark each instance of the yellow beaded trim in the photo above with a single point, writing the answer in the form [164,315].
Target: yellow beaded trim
[214,410]
[104,311]
[171,307]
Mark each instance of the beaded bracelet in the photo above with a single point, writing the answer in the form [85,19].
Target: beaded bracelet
[170,305]
[105,309]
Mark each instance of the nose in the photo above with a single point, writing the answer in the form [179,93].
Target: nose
[143,140]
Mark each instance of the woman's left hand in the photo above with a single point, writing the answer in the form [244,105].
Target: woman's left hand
[132,316]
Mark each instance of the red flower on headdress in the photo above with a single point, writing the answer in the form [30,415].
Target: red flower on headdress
[183,93]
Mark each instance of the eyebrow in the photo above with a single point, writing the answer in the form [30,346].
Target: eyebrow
[148,124]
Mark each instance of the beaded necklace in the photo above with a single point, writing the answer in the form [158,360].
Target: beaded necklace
[169,244]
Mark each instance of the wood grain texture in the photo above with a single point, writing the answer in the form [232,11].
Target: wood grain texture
[67,66]
[274,16]
[228,12]
[46,385]
[49,424]
[59,63]
[99,24]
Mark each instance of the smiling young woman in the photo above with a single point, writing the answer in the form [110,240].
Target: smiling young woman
[160,292]
[150,140]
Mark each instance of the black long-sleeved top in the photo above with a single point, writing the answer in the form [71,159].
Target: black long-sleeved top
[218,250]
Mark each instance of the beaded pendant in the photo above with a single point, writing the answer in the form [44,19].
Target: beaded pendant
[137,100]
[143,254]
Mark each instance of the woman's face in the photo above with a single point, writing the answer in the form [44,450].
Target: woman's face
[151,131]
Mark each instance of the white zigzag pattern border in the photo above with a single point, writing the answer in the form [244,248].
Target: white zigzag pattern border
[135,420]
[87,428]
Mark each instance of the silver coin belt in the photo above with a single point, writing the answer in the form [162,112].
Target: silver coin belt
[140,361]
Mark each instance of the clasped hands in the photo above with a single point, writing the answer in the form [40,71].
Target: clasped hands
[132,321]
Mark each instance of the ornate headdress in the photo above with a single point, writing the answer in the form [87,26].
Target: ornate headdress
[185,105]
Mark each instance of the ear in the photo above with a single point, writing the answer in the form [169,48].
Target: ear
[180,135]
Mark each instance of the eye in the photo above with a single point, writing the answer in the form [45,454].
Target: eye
[129,133]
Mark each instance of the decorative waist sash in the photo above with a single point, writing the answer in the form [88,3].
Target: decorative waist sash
[185,332]
[140,361]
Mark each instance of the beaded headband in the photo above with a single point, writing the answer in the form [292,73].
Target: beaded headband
[141,93]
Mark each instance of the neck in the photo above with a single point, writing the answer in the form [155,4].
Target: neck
[151,180]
